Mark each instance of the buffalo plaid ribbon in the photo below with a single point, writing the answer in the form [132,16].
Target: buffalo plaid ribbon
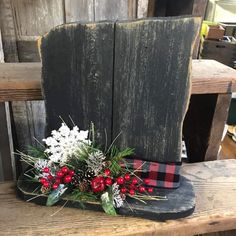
[162,175]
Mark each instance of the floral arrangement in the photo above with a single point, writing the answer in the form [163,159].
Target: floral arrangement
[72,166]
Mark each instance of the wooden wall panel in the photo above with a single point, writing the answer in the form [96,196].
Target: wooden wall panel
[79,10]
[32,19]
[1,48]
[8,31]
[37,17]
[27,47]
[142,8]
[7,160]
[111,10]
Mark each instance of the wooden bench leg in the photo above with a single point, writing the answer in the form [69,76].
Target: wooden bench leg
[204,125]
[7,162]
[217,128]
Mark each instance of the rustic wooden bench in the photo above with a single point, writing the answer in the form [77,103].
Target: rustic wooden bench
[22,82]
[214,184]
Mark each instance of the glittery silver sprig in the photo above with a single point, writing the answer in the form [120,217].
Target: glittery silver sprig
[41,163]
[95,161]
[117,199]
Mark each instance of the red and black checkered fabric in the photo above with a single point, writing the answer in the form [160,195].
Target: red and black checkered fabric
[162,175]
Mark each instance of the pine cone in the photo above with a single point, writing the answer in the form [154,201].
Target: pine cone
[84,176]
[44,190]
[83,186]
[76,181]
[89,174]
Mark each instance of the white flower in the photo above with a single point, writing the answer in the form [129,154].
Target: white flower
[64,130]
[64,143]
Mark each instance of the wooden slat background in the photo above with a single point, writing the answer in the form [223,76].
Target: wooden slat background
[7,162]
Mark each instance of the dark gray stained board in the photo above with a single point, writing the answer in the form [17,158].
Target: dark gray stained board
[151,84]
[180,202]
[77,75]
[142,90]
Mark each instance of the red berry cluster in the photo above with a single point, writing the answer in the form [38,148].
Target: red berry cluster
[132,185]
[99,183]
[62,176]
[127,184]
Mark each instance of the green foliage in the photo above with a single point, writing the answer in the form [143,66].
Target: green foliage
[36,152]
[77,195]
[77,161]
[107,203]
[116,157]
[116,153]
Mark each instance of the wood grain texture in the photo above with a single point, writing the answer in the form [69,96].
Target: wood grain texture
[78,67]
[221,51]
[30,121]
[203,141]
[15,83]
[213,182]
[76,10]
[111,10]
[28,49]
[22,81]
[197,125]
[1,49]
[7,159]
[151,85]
[8,31]
[217,127]
[142,8]
[210,76]
[132,9]
[170,7]
[199,9]
[33,18]
[228,150]
[224,233]
[5,149]
[181,7]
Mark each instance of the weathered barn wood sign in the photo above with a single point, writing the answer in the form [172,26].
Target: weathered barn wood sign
[130,77]
[78,75]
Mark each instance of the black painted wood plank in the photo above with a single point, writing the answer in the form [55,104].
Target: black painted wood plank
[77,75]
[179,202]
[151,84]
